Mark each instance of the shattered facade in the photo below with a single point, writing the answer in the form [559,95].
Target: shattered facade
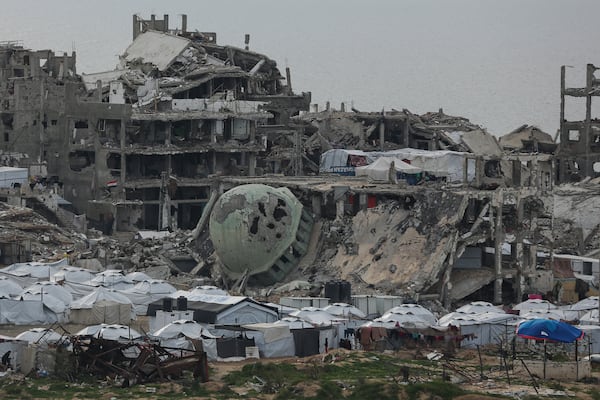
[578,154]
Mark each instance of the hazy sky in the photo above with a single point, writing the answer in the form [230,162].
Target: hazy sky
[495,62]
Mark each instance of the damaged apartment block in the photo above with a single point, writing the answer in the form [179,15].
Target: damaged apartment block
[147,139]
[578,153]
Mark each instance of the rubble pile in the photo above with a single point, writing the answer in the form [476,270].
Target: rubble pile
[26,227]
[395,247]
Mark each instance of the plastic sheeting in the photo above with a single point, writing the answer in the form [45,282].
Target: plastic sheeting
[103,311]
[22,312]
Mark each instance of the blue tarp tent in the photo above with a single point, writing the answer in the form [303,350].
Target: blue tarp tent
[547,329]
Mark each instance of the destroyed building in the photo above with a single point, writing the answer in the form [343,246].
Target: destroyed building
[578,154]
[136,147]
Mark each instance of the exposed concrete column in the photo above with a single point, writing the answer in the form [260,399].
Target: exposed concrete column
[519,264]
[466,171]
[123,144]
[339,207]
[382,135]
[168,133]
[498,240]
[252,164]
[363,201]
[406,132]
[214,163]
[169,164]
[478,171]
[446,284]
[316,204]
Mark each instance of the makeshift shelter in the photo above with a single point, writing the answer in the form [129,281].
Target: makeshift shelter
[590,318]
[50,288]
[479,307]
[9,287]
[117,332]
[113,279]
[138,276]
[147,292]
[306,336]
[481,329]
[584,306]
[73,274]
[379,170]
[28,273]
[554,331]
[272,340]
[16,347]
[343,161]
[178,333]
[41,336]
[534,304]
[412,309]
[316,316]
[24,312]
[344,310]
[102,306]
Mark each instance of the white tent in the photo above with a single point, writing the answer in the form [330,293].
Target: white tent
[534,304]
[102,305]
[138,276]
[148,292]
[91,330]
[28,273]
[344,310]
[9,287]
[482,329]
[589,303]
[316,316]
[379,170]
[113,279]
[40,336]
[556,315]
[479,307]
[272,340]
[50,288]
[25,312]
[117,332]
[294,323]
[177,335]
[412,309]
[73,274]
[590,318]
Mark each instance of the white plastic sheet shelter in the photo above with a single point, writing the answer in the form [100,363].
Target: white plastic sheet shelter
[54,308]
[177,335]
[91,330]
[28,273]
[316,316]
[556,315]
[24,312]
[16,348]
[9,287]
[294,323]
[591,340]
[158,48]
[584,306]
[138,276]
[282,310]
[102,306]
[40,336]
[272,340]
[338,160]
[199,293]
[11,177]
[344,310]
[482,329]
[410,310]
[479,307]
[73,274]
[590,318]
[45,288]
[117,332]
[534,304]
[113,279]
[379,170]
[146,292]
[441,163]
[390,320]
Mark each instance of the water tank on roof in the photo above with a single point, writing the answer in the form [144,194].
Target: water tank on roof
[182,303]
[167,304]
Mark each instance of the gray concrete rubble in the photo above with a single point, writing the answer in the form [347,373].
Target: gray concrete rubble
[197,162]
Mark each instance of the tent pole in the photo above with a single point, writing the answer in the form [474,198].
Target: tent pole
[545,359]
[576,362]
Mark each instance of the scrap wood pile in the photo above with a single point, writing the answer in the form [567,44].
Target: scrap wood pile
[137,361]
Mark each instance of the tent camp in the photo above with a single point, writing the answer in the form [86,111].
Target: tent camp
[379,170]
[344,310]
[113,279]
[412,309]
[24,312]
[102,306]
[73,274]
[343,161]
[534,304]
[44,288]
[41,336]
